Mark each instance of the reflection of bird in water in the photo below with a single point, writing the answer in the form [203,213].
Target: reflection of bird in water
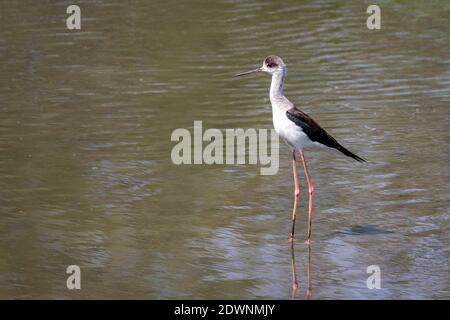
[308,275]
[296,128]
[294,274]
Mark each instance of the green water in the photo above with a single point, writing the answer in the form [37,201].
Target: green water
[86,176]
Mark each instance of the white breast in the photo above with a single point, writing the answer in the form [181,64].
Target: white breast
[292,134]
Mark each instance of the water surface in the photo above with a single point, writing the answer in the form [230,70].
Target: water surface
[86,176]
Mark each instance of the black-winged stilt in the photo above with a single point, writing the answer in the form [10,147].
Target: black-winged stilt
[297,129]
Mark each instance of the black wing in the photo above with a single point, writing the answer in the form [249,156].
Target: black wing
[316,133]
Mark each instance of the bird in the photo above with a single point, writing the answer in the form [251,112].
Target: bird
[298,130]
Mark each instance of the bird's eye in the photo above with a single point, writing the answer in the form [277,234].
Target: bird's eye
[271,64]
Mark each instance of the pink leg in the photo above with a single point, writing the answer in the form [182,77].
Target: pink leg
[311,196]
[296,193]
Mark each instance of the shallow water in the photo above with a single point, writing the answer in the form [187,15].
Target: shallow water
[86,176]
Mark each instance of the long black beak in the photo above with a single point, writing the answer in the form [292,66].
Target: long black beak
[248,72]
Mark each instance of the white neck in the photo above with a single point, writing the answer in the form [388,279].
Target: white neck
[276,87]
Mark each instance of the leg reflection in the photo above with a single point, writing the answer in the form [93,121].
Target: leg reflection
[294,273]
[294,287]
[308,274]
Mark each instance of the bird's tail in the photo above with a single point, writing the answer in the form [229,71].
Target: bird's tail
[349,153]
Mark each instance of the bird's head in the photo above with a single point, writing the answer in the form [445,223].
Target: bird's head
[271,64]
